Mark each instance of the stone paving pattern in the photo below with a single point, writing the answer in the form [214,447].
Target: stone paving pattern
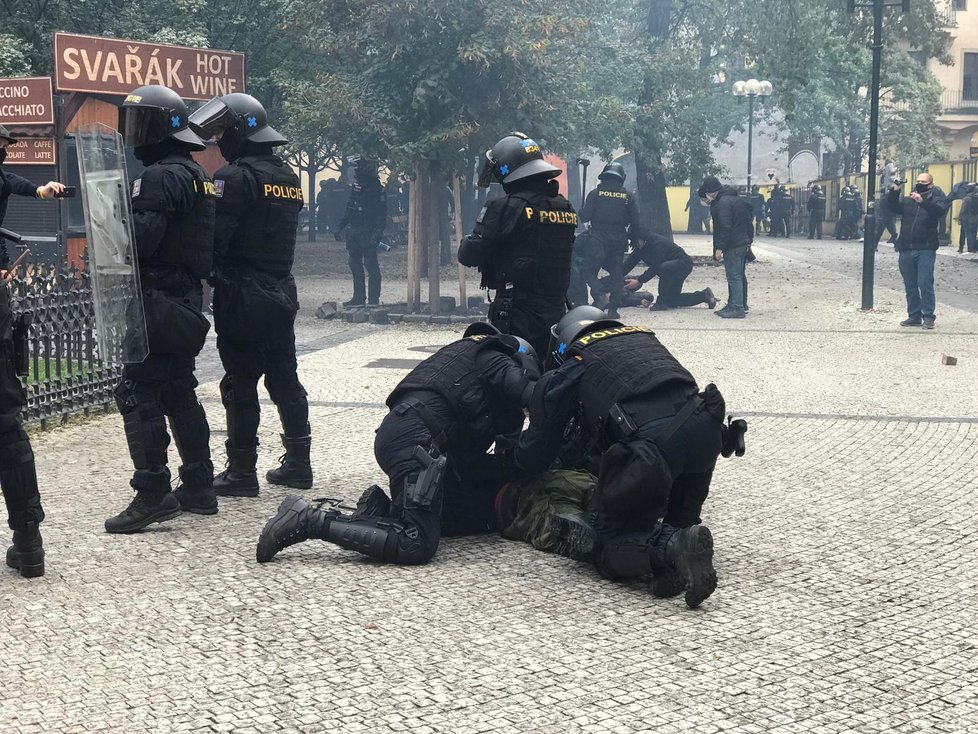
[846,546]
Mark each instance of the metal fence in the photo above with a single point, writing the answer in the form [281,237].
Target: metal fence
[66,374]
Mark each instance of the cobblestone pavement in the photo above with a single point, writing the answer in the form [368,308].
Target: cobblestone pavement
[846,548]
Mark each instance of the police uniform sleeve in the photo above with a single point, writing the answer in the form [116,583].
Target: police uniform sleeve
[150,211]
[587,211]
[236,190]
[510,381]
[498,222]
[552,406]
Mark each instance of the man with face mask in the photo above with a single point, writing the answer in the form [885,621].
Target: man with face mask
[920,213]
[173,222]
[733,233]
[523,242]
[366,216]
[255,299]
[18,477]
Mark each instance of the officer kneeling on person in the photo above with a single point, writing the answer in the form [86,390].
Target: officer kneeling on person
[432,445]
[658,439]
[673,265]
[255,300]
[523,243]
[173,225]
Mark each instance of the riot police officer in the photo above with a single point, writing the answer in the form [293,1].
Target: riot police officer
[173,221]
[432,445]
[255,300]
[613,214]
[522,243]
[366,216]
[18,477]
[816,212]
[656,440]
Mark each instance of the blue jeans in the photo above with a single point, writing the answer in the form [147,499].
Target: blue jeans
[735,265]
[917,269]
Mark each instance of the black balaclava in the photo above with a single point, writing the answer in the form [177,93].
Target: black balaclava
[150,154]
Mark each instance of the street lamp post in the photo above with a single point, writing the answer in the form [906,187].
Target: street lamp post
[751,88]
[870,228]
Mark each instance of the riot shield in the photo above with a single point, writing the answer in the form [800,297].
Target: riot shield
[119,316]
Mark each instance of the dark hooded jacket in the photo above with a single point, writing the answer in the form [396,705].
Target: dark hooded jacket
[733,224]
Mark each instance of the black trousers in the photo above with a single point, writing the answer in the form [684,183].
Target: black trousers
[672,277]
[612,245]
[18,477]
[780,225]
[244,365]
[161,388]
[464,505]
[362,250]
[815,225]
[528,316]
[691,454]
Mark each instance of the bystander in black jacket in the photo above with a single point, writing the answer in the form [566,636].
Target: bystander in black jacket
[919,222]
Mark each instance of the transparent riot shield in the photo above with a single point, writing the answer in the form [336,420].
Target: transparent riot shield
[119,316]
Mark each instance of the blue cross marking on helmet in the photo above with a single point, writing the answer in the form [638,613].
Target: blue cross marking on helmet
[522,349]
[562,348]
[527,143]
[504,169]
[252,121]
[175,121]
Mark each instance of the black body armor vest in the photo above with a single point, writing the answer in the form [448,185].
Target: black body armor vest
[453,373]
[540,262]
[622,362]
[266,239]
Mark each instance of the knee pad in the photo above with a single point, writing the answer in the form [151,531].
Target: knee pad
[126,396]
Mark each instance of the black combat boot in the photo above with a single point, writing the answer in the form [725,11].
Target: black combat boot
[577,531]
[146,508]
[295,521]
[709,298]
[196,491]
[239,479]
[374,502]
[689,553]
[295,470]
[26,555]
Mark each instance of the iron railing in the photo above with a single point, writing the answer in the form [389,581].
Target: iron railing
[953,100]
[66,373]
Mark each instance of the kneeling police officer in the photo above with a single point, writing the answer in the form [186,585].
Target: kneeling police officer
[522,243]
[432,445]
[656,439]
[173,224]
[255,299]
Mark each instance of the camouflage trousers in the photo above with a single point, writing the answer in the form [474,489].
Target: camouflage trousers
[540,498]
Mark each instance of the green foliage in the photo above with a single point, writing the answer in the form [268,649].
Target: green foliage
[412,79]
[14,56]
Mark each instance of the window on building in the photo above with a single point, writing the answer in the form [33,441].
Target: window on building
[960,4]
[970,86]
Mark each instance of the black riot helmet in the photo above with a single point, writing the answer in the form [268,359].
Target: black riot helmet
[240,113]
[575,323]
[514,158]
[153,114]
[613,171]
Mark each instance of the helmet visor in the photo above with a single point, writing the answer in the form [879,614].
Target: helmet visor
[213,118]
[141,126]
[486,169]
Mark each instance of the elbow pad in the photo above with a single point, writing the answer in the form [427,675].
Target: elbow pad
[472,250]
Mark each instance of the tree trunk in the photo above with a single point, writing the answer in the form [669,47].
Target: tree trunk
[652,193]
[415,246]
[311,175]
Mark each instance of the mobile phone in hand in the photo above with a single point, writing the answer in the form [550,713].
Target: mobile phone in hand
[68,193]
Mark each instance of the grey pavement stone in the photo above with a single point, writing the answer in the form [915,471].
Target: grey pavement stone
[846,549]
